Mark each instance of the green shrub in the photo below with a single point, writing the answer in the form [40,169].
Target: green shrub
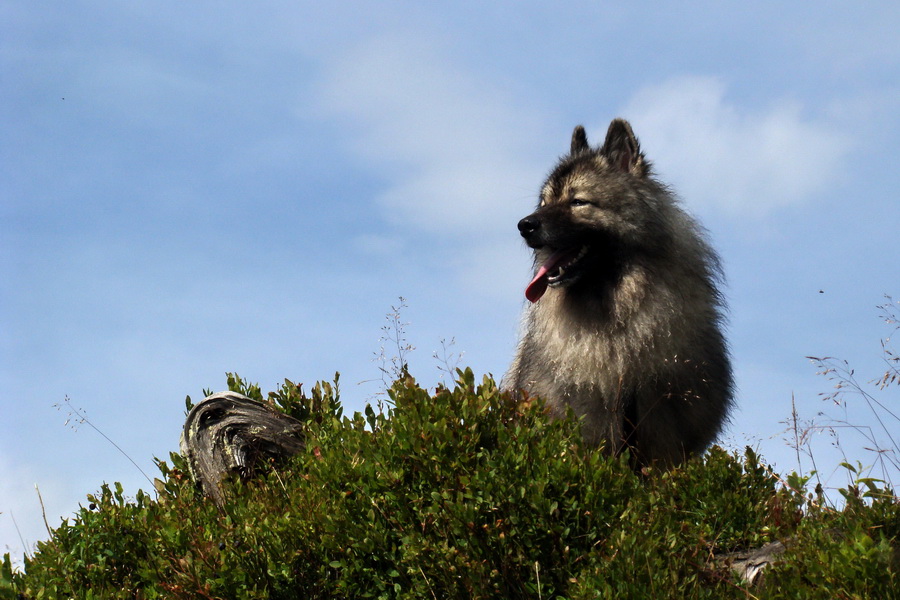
[460,493]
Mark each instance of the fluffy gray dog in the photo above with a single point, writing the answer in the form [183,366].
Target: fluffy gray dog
[624,320]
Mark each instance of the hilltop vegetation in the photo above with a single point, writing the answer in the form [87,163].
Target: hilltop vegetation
[462,493]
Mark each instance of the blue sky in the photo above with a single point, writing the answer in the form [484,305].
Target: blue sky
[191,189]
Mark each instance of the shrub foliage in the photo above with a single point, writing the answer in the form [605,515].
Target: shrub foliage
[461,493]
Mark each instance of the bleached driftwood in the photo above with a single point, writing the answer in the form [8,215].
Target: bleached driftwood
[749,564]
[229,433]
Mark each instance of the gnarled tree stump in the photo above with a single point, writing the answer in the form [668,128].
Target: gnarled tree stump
[229,433]
[750,564]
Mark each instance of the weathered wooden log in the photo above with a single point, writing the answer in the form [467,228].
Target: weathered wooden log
[229,433]
[750,564]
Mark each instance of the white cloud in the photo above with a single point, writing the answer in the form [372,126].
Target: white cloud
[455,150]
[461,156]
[718,154]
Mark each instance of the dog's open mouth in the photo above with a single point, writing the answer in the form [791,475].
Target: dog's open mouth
[557,269]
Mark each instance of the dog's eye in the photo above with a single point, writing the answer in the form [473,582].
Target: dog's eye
[579,202]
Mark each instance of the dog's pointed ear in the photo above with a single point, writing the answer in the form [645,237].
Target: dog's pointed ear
[622,149]
[579,141]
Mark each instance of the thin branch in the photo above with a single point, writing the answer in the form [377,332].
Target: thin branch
[83,419]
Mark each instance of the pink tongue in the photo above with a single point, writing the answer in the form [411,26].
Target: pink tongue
[538,285]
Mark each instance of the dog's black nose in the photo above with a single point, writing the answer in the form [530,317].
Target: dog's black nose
[529,225]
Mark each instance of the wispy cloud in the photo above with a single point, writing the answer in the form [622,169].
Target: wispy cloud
[460,156]
[721,155]
[455,150]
